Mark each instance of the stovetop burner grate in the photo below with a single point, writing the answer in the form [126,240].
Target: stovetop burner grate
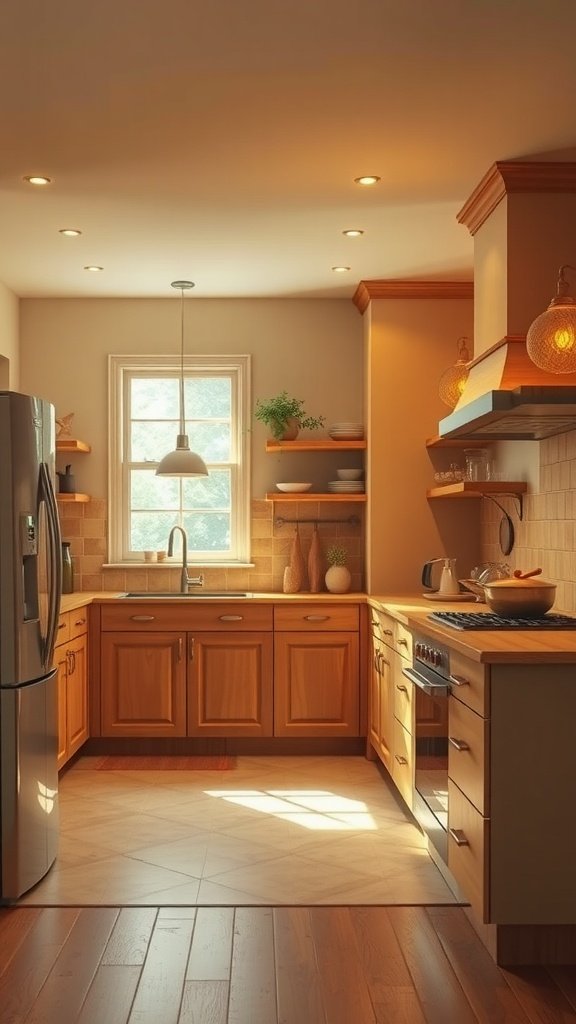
[488,620]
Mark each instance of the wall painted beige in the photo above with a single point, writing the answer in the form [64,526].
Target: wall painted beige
[313,348]
[517,253]
[409,343]
[9,340]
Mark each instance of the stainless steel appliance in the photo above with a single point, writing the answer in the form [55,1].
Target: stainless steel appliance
[30,585]
[430,673]
[489,620]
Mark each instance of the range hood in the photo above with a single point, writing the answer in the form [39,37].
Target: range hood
[507,398]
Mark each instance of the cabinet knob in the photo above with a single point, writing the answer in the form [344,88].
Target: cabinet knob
[403,689]
[458,836]
[401,760]
[79,622]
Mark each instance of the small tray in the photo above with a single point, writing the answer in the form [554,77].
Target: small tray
[448,598]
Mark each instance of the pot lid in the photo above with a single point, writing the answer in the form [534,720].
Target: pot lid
[515,584]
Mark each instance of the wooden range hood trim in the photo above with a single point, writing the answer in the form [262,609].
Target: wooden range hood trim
[506,177]
[506,366]
[368,290]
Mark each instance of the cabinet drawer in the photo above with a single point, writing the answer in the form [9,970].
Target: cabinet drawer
[468,839]
[395,634]
[402,767]
[303,617]
[220,615]
[63,628]
[468,739]
[470,683]
[403,694]
[78,620]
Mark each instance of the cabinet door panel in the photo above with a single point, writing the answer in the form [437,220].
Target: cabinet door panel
[316,684]
[143,689]
[77,695]
[60,662]
[230,684]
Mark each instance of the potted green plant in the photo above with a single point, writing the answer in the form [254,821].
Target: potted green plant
[285,416]
[338,576]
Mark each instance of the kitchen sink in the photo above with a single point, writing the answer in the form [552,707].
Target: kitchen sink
[152,595]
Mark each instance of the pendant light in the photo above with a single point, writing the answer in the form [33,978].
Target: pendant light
[551,338]
[452,381]
[182,461]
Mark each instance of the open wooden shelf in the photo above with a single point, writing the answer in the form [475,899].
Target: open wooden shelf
[315,446]
[71,444]
[73,497]
[454,442]
[476,488]
[307,496]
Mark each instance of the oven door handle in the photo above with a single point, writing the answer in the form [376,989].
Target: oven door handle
[432,689]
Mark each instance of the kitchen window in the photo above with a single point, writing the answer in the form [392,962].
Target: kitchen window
[144,422]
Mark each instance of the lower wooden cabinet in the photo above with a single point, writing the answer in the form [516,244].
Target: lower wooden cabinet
[71,660]
[237,672]
[230,684]
[143,690]
[316,689]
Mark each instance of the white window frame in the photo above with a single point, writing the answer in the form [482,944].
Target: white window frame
[121,368]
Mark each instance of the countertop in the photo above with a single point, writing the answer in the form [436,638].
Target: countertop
[487,646]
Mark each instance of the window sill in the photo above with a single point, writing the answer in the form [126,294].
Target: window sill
[178,565]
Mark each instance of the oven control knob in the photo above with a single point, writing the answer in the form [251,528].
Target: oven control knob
[436,657]
[418,650]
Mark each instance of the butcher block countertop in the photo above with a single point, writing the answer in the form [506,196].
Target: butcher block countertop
[489,646]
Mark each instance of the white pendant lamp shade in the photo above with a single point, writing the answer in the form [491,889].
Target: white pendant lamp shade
[452,381]
[182,461]
[551,338]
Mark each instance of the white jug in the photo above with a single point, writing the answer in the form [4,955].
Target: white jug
[448,580]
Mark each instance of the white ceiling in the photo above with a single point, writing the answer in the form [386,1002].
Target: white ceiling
[219,140]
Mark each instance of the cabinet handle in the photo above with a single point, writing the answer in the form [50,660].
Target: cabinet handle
[80,622]
[316,618]
[402,640]
[403,689]
[69,662]
[458,836]
[179,648]
[374,622]
[387,632]
[458,744]
[230,618]
[61,625]
[191,648]
[459,680]
[401,760]
[142,618]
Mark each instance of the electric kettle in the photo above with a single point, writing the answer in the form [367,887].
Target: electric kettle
[442,580]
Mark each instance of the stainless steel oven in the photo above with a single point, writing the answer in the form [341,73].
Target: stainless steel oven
[430,673]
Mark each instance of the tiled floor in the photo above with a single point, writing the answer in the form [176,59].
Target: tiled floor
[274,830]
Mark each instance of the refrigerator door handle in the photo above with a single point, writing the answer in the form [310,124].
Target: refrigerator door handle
[55,561]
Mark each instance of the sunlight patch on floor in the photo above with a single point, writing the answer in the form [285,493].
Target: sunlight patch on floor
[309,808]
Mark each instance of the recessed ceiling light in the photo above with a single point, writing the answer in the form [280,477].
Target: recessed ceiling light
[37,179]
[367,179]
[69,232]
[340,270]
[353,232]
[94,269]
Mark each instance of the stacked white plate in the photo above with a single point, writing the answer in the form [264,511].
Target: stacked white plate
[346,486]
[346,431]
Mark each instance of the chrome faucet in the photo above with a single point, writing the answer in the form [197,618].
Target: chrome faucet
[185,580]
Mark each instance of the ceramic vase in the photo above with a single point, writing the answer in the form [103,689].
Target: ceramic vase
[315,563]
[294,571]
[338,579]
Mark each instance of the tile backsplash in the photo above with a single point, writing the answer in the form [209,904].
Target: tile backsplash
[85,526]
[546,535]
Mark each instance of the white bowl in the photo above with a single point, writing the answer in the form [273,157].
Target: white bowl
[293,488]
[349,474]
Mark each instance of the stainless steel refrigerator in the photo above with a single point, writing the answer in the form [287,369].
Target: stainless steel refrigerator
[30,587]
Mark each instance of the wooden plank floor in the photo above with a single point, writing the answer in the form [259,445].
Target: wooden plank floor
[264,965]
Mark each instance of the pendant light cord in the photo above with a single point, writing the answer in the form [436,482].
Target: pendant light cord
[182,410]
